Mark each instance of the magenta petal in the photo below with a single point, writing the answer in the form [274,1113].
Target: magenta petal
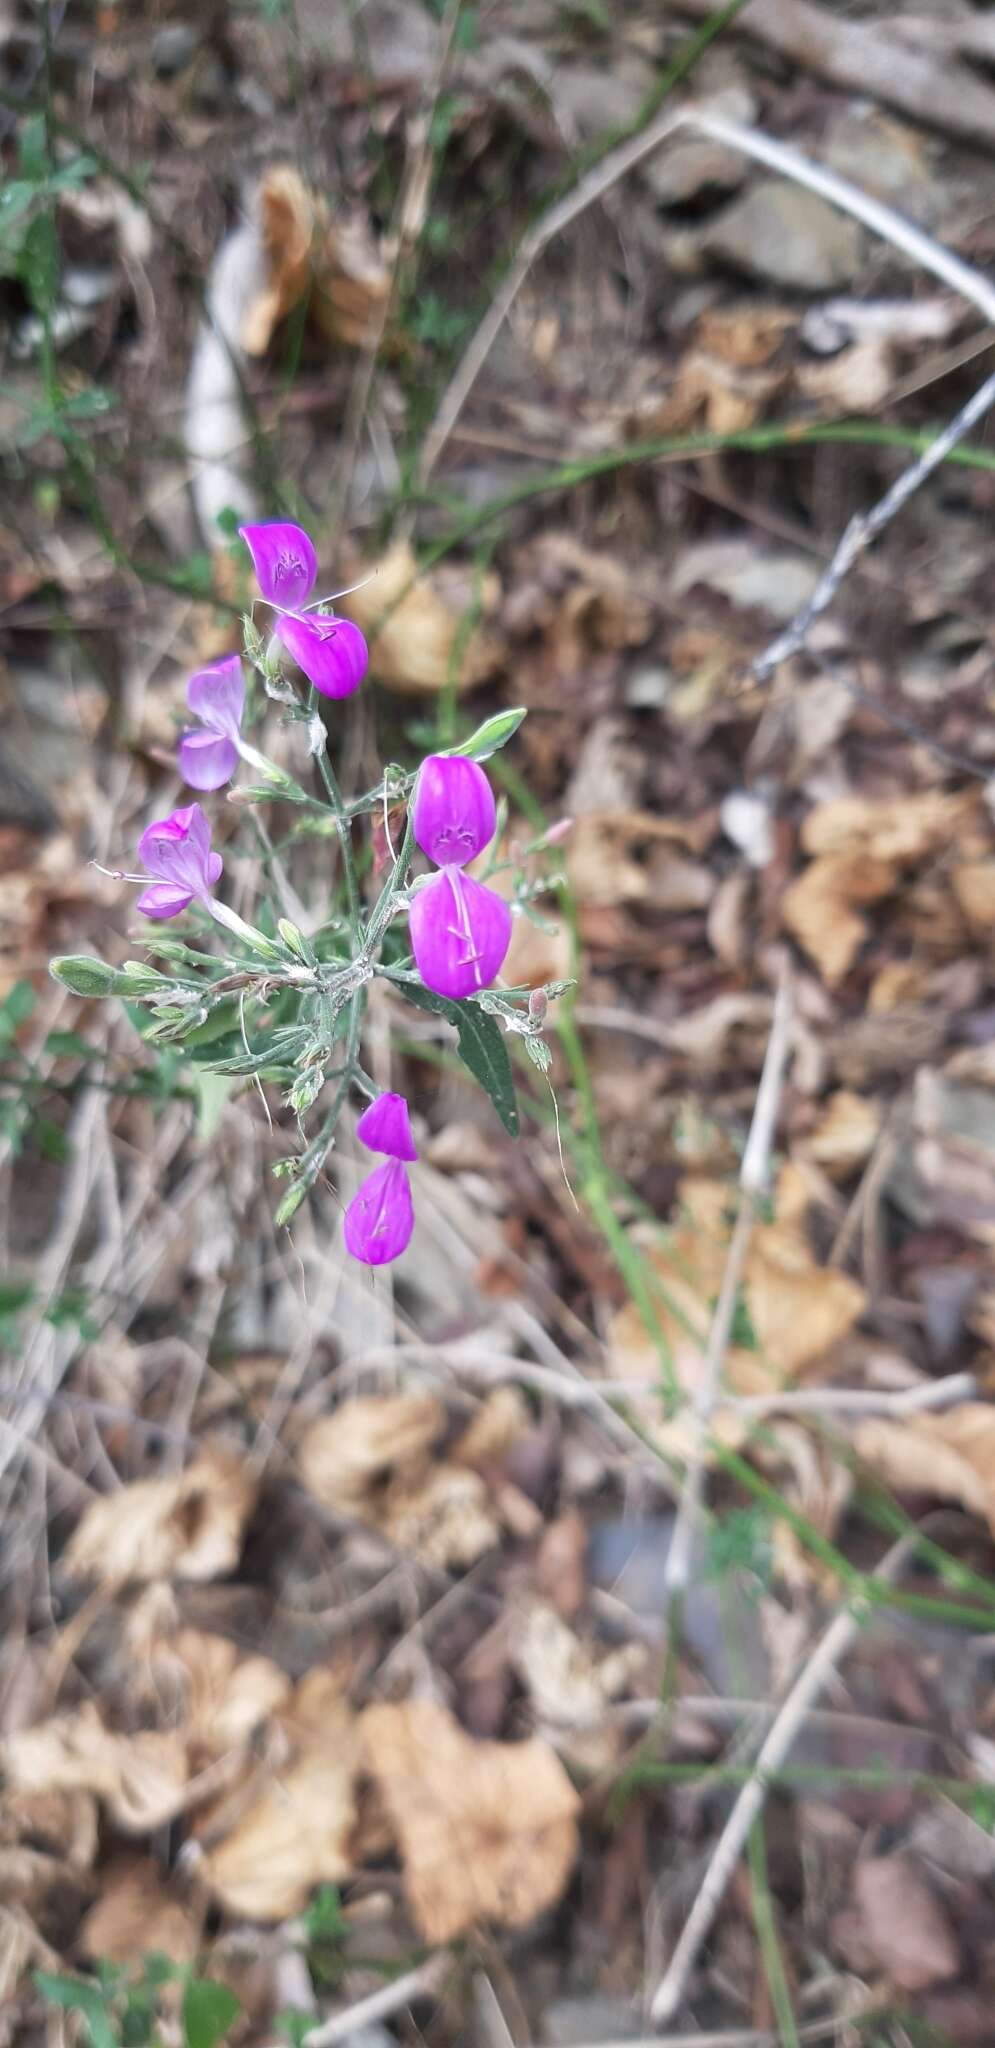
[217,695]
[284,560]
[206,760]
[332,652]
[460,933]
[386,1127]
[454,812]
[178,849]
[380,1218]
[164,899]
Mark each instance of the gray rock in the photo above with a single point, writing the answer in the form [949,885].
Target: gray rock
[579,2021]
[676,175]
[173,46]
[791,237]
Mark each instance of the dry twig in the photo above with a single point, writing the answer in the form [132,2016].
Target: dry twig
[773,1754]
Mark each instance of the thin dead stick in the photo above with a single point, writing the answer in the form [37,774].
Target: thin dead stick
[958,1386]
[421,1983]
[588,192]
[872,213]
[752,1182]
[773,1754]
[865,527]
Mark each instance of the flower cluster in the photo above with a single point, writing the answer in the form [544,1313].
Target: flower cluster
[460,929]
[380,1219]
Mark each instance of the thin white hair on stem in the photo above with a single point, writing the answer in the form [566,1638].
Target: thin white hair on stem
[248,1054]
[559,1144]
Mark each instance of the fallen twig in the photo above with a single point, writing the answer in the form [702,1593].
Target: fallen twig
[752,1183]
[776,1747]
[423,1982]
[865,527]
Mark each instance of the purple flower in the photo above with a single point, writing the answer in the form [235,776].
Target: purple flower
[460,930]
[177,851]
[386,1127]
[454,813]
[331,652]
[380,1218]
[460,933]
[284,560]
[208,754]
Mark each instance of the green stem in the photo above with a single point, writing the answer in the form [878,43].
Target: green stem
[337,805]
[766,1925]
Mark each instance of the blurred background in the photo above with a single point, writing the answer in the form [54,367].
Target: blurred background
[582,1631]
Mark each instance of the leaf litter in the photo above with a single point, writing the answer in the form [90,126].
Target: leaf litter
[369,1640]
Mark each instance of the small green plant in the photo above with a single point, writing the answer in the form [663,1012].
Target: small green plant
[120,2007]
[325,1928]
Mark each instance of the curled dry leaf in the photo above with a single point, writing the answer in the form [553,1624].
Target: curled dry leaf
[137,1914]
[903,1923]
[141,1779]
[486,1830]
[799,1310]
[568,1685]
[346,1454]
[818,908]
[898,831]
[846,1135]
[446,1518]
[974,887]
[371,1460]
[188,1525]
[333,264]
[499,1422]
[223,1696]
[946,1457]
[291,1825]
[422,628]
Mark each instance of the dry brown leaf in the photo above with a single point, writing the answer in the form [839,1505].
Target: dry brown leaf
[290,1826]
[569,1686]
[903,1923]
[898,984]
[345,1454]
[416,624]
[486,1830]
[818,907]
[188,1525]
[858,379]
[446,1519]
[141,1779]
[974,888]
[799,1310]
[136,1914]
[846,1134]
[224,1696]
[897,830]
[947,1457]
[334,266]
[499,1422]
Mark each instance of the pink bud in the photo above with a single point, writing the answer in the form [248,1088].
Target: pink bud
[454,814]
[284,560]
[380,1218]
[386,1127]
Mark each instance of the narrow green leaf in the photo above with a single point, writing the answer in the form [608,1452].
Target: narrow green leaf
[208,2011]
[39,263]
[493,734]
[481,1047]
